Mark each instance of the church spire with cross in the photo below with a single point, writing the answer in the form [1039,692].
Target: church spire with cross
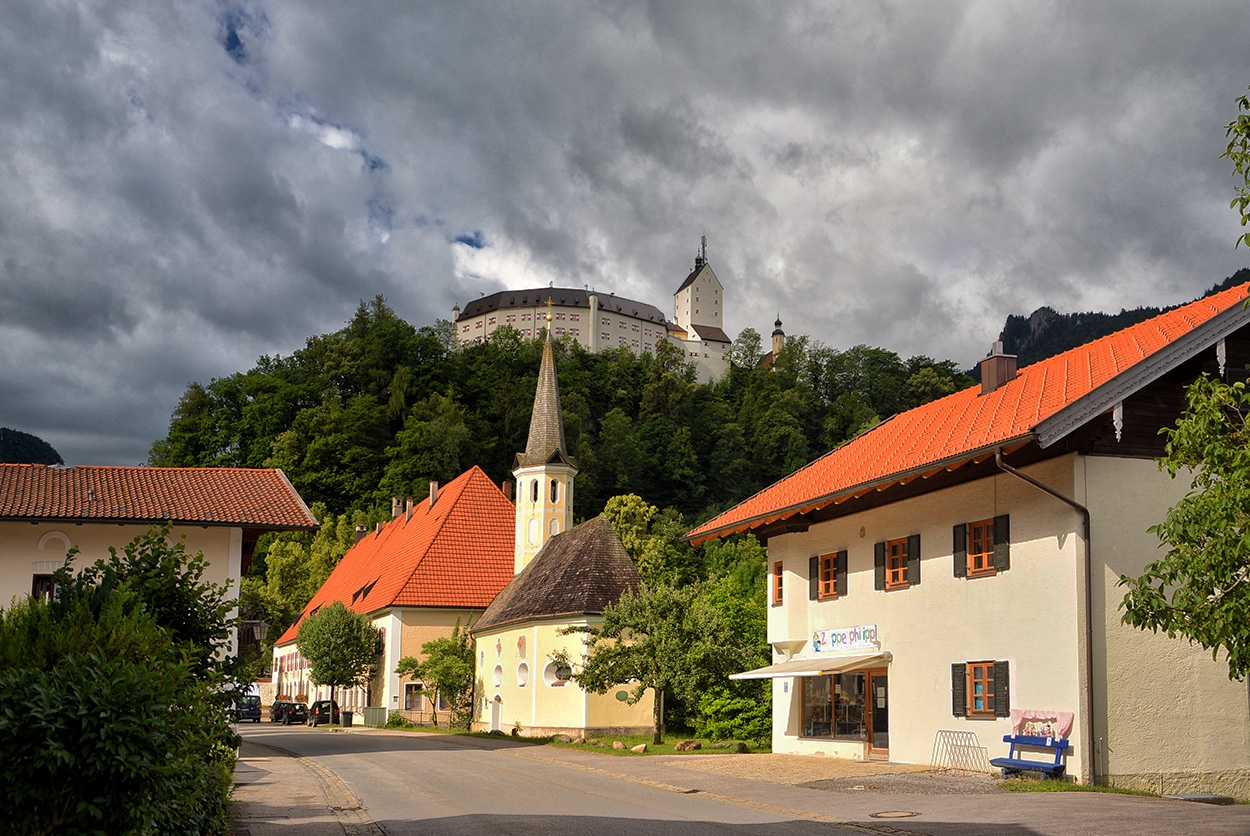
[545,471]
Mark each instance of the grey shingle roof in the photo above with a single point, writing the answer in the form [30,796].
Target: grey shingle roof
[580,571]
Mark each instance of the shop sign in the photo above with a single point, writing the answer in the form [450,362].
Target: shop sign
[846,638]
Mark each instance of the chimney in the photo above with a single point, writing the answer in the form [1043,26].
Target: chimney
[433,492]
[506,487]
[408,504]
[397,507]
[997,369]
[361,531]
[377,529]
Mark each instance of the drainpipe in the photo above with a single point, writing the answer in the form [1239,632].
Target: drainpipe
[1089,603]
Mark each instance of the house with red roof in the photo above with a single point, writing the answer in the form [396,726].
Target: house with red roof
[951,576]
[437,562]
[219,511]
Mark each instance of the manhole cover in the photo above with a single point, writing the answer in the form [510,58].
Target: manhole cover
[893,814]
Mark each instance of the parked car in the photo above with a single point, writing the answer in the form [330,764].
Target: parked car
[323,711]
[248,709]
[297,712]
[278,710]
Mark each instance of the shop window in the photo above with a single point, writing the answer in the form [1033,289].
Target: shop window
[896,563]
[848,706]
[778,582]
[826,576]
[982,548]
[980,689]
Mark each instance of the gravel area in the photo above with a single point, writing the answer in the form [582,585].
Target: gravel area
[919,783]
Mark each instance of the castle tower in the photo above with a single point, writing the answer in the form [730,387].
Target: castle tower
[698,305]
[544,472]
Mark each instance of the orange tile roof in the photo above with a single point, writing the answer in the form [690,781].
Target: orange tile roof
[458,553]
[1044,402]
[252,498]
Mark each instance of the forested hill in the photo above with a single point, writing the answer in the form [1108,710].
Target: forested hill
[381,407]
[17,447]
[1045,333]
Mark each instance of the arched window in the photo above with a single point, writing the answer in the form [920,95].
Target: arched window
[534,491]
[555,491]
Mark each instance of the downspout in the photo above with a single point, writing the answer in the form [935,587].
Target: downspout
[1089,602]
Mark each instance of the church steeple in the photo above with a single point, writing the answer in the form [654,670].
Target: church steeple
[545,471]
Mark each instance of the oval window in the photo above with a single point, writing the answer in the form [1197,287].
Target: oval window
[498,676]
[557,674]
[522,674]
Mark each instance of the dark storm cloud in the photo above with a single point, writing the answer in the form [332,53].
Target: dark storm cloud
[188,186]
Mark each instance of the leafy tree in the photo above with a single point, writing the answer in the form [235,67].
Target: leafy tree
[1238,133]
[746,350]
[1200,589]
[17,447]
[659,637]
[342,647]
[447,671]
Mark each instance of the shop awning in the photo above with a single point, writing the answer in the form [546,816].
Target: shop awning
[814,666]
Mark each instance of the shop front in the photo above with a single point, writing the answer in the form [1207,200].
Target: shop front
[842,691]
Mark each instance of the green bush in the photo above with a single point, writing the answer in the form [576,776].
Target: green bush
[110,721]
[741,710]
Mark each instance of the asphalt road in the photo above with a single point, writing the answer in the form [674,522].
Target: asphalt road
[438,784]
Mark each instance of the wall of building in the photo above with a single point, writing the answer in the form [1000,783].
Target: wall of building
[1027,615]
[1169,718]
[514,667]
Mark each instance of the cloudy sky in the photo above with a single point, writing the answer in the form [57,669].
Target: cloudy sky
[187,186]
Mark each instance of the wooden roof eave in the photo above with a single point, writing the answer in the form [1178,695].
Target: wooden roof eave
[903,477]
[1097,401]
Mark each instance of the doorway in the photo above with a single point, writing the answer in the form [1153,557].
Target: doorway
[496,714]
[878,714]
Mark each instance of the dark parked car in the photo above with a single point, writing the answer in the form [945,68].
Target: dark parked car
[323,711]
[248,709]
[278,710]
[296,712]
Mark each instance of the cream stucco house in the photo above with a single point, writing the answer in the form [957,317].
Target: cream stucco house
[437,563]
[951,575]
[565,577]
[220,511]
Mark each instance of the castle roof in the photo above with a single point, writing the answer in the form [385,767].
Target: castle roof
[253,498]
[561,297]
[457,553]
[1042,404]
[578,572]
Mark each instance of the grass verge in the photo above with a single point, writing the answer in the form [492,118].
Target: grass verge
[1051,785]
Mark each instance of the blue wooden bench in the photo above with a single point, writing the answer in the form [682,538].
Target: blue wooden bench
[1012,765]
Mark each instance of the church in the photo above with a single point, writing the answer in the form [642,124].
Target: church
[565,577]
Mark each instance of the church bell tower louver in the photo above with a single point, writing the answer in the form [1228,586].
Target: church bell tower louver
[544,472]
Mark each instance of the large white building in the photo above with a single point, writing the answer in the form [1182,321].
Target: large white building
[603,321]
[953,575]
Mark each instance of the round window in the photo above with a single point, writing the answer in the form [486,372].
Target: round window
[498,675]
[557,674]
[522,674]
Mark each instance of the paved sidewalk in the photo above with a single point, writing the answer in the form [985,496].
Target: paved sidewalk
[280,794]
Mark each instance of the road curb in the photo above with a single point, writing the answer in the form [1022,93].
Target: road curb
[341,801]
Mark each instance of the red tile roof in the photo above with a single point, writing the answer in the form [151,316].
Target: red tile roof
[252,498]
[458,553]
[1044,402]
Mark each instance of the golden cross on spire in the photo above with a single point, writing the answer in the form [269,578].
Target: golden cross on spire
[549,316]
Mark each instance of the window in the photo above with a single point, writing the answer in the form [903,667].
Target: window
[555,490]
[778,582]
[826,576]
[980,689]
[534,491]
[982,548]
[575,317]
[43,586]
[897,563]
[490,321]
[464,329]
[414,696]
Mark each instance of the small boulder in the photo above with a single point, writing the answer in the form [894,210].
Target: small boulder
[640,748]
[616,744]
[738,748]
[594,741]
[688,745]
[720,744]
[498,733]
[564,738]
[579,739]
